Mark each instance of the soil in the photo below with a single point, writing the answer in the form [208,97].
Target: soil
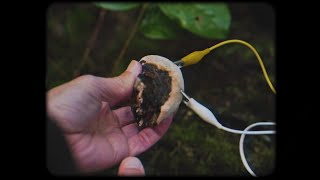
[157,87]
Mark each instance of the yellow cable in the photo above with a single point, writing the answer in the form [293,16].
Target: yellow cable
[196,56]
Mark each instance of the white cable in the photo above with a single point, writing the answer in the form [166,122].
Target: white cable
[247,132]
[209,117]
[243,158]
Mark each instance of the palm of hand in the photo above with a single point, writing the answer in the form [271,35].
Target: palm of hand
[98,136]
[112,137]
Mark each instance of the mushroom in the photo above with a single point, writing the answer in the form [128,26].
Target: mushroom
[156,93]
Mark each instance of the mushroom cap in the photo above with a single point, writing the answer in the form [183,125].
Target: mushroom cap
[177,83]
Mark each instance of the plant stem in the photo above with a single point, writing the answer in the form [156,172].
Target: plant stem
[132,34]
[91,42]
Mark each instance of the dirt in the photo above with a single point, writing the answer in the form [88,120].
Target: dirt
[157,86]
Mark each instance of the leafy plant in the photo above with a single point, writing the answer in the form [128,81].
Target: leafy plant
[119,6]
[156,25]
[165,20]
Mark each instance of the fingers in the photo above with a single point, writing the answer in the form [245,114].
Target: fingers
[163,127]
[143,140]
[131,166]
[116,89]
[124,115]
[130,130]
[126,121]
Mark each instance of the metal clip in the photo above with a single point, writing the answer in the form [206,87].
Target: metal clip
[179,63]
[186,97]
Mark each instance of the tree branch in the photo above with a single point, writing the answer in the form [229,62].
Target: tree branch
[132,34]
[91,42]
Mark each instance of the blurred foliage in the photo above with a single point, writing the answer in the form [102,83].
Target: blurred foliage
[228,81]
[209,20]
[117,6]
[156,25]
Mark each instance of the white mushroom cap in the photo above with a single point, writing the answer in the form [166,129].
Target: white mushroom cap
[175,96]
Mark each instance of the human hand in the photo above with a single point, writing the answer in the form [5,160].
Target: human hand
[131,166]
[98,136]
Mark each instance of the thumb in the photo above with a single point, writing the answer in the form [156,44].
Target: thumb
[116,89]
[131,166]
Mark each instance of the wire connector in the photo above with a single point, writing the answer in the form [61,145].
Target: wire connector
[194,57]
[201,111]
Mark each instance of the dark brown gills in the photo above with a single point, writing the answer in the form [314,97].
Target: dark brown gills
[157,87]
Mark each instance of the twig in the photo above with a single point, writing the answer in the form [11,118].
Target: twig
[91,42]
[125,47]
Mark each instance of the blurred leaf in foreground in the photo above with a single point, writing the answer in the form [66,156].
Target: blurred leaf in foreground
[209,20]
[117,6]
[156,25]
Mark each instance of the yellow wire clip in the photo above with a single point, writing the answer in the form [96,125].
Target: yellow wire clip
[197,56]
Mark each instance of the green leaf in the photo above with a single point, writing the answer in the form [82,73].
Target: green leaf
[156,25]
[117,6]
[209,20]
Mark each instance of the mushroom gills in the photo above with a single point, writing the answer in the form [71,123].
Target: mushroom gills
[151,91]
[156,93]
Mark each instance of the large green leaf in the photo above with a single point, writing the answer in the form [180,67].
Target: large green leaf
[117,6]
[209,20]
[156,25]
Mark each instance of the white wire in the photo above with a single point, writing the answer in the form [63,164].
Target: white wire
[206,115]
[209,117]
[247,132]
[243,158]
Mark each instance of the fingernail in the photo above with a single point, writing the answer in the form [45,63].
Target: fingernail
[133,163]
[133,65]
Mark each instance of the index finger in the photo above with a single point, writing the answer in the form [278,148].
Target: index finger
[116,89]
[143,140]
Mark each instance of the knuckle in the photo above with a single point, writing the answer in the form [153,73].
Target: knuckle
[123,83]
[87,79]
